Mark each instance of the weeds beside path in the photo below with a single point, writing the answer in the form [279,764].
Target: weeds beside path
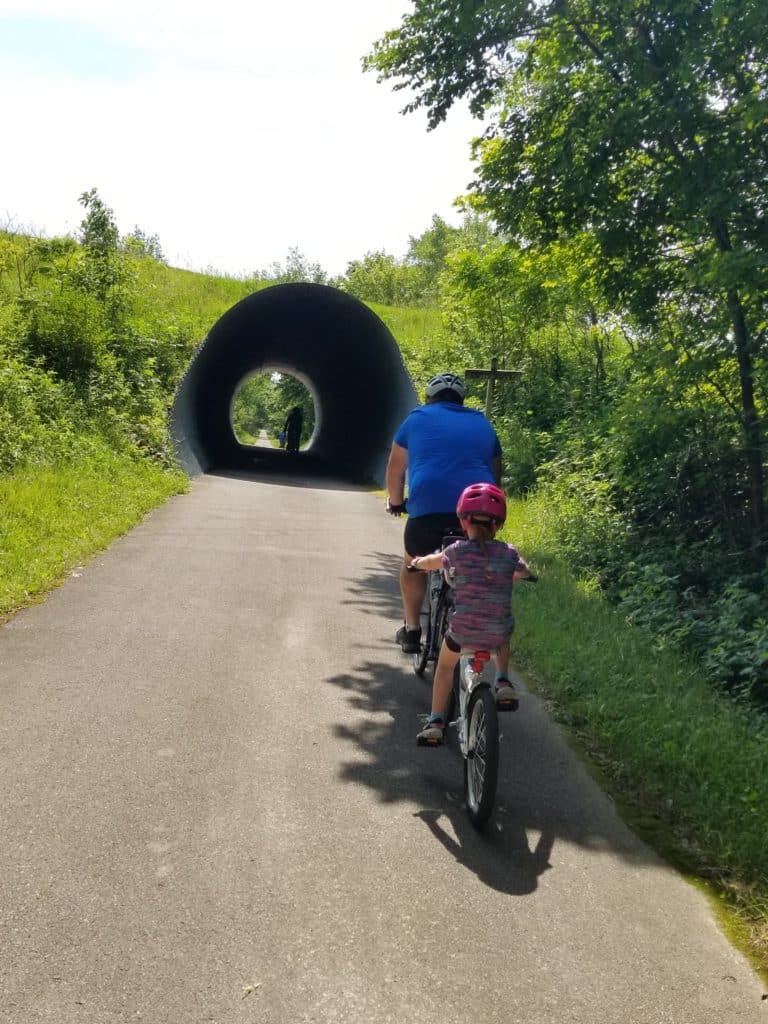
[53,518]
[691,765]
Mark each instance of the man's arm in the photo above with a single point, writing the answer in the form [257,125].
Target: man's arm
[498,469]
[396,470]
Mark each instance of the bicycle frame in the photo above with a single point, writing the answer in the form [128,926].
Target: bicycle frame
[474,672]
[437,597]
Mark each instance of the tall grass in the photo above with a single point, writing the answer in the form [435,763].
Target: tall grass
[418,332]
[200,298]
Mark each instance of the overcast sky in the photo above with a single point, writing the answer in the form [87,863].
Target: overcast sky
[232,130]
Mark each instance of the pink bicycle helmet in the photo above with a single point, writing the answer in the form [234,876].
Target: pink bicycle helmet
[482,500]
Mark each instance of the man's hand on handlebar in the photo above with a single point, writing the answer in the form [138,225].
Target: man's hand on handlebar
[395,510]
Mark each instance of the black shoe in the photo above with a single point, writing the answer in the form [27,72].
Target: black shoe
[409,640]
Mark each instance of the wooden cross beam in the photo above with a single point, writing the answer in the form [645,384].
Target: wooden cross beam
[491,376]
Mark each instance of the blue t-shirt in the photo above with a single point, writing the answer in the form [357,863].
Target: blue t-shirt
[449,447]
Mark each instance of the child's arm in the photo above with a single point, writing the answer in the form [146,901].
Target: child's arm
[522,572]
[428,562]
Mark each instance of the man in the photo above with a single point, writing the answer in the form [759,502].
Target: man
[441,447]
[292,428]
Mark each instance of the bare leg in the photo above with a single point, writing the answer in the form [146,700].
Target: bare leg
[441,687]
[506,697]
[413,586]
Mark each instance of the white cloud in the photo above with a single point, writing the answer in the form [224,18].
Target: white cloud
[244,132]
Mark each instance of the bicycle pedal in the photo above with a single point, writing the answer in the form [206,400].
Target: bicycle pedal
[508,705]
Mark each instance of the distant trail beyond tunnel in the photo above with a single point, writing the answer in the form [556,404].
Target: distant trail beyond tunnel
[330,341]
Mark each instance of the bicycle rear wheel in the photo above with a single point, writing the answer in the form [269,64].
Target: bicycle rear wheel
[481,766]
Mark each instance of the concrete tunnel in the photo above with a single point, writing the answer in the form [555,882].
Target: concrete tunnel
[335,345]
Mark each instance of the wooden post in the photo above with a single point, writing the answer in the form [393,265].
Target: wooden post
[491,376]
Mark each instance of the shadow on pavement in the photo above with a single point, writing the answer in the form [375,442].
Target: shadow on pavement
[304,468]
[544,795]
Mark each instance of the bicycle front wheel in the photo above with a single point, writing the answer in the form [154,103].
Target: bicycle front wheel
[481,765]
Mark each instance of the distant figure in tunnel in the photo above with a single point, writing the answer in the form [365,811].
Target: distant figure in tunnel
[292,428]
[440,448]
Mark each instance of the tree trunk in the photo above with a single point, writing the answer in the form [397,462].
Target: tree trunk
[750,419]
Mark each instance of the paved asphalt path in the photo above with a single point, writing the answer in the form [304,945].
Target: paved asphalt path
[213,809]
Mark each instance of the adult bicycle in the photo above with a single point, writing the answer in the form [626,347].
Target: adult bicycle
[438,604]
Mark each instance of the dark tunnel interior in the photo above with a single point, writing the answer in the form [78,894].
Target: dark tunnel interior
[335,345]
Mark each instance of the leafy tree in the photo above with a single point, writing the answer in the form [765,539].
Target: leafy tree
[253,406]
[429,252]
[104,271]
[297,268]
[139,243]
[379,277]
[641,124]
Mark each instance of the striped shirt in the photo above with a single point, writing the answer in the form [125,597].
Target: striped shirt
[482,617]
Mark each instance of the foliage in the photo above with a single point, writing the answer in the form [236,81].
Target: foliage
[38,421]
[94,337]
[297,268]
[642,126]
[139,243]
[692,763]
[414,279]
[380,278]
[264,401]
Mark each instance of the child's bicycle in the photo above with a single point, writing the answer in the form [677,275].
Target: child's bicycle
[473,702]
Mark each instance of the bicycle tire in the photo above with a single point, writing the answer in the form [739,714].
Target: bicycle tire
[421,658]
[481,766]
[442,614]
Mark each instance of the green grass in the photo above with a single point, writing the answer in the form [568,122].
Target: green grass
[691,765]
[418,333]
[53,518]
[203,298]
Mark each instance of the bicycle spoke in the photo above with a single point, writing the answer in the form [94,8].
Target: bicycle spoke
[478,765]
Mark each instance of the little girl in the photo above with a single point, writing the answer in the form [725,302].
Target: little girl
[484,570]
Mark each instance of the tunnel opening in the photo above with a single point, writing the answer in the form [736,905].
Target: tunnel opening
[263,406]
[334,345]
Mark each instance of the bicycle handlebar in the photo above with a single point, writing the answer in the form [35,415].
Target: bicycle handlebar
[533,578]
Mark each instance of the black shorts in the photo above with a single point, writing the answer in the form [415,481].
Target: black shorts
[424,534]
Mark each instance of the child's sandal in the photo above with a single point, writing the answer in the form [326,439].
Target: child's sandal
[506,695]
[432,733]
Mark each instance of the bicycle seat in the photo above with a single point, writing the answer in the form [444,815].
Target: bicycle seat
[451,537]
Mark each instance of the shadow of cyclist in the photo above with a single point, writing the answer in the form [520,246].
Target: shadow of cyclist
[484,855]
[545,795]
